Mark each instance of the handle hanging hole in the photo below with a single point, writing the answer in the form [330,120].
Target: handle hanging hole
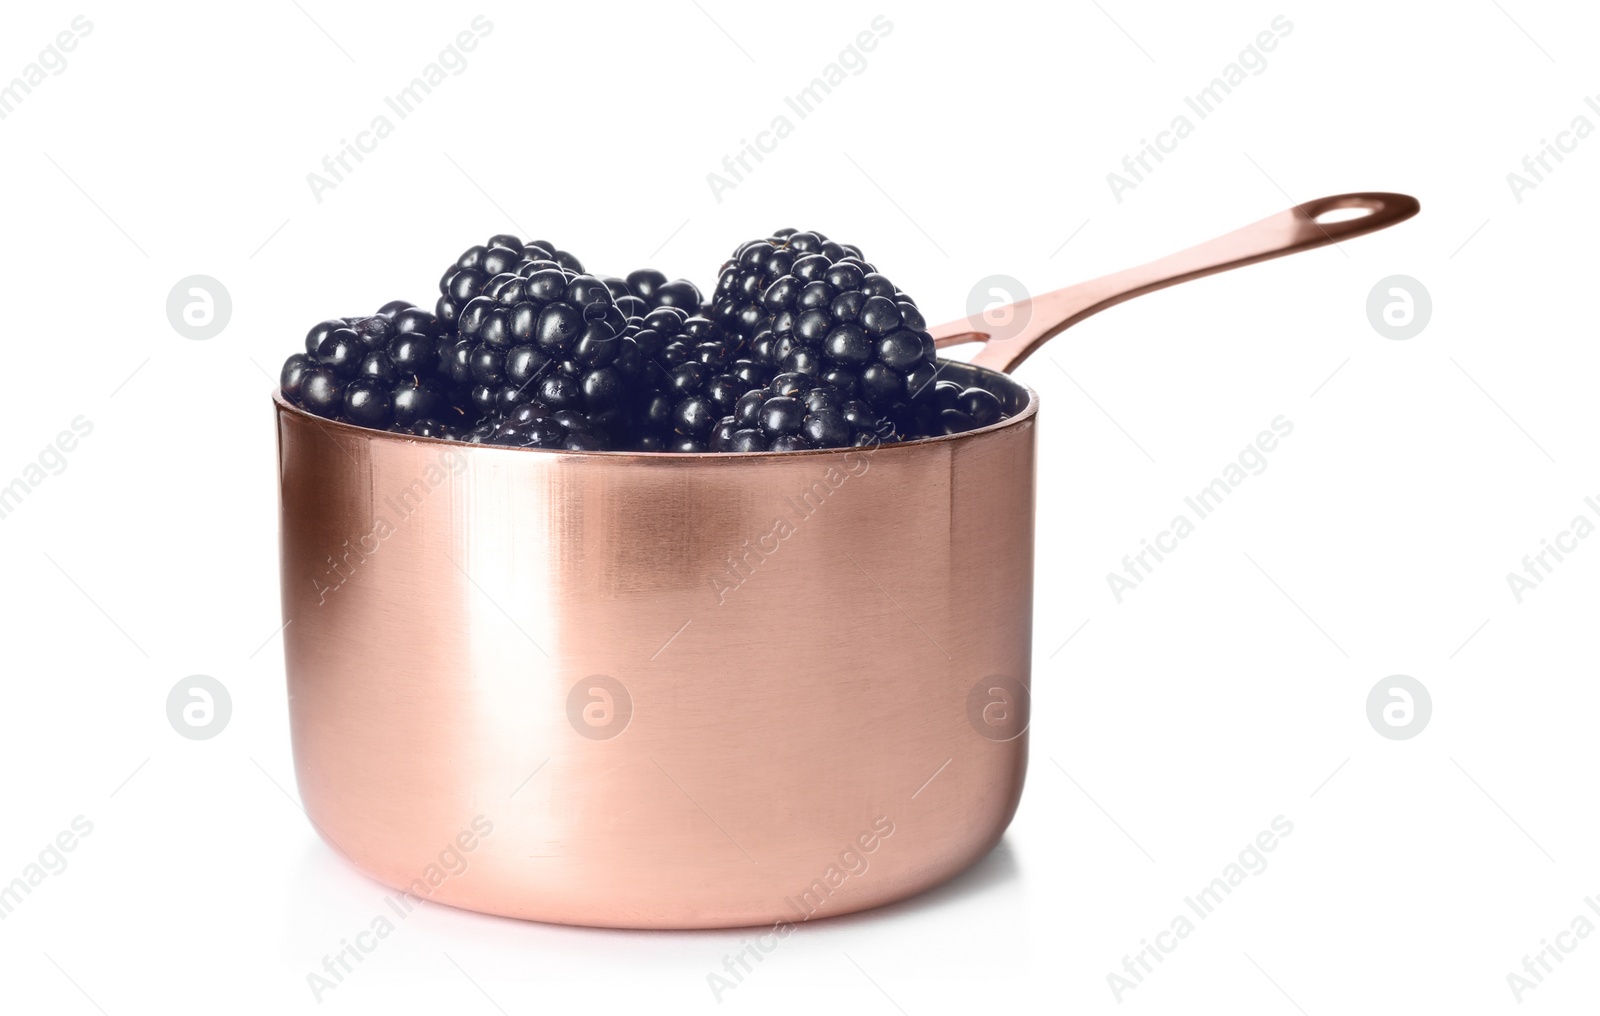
[1342,214]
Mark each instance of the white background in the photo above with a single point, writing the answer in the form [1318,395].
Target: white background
[1228,689]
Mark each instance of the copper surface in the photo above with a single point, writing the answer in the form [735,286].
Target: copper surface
[675,690]
[1290,231]
[782,706]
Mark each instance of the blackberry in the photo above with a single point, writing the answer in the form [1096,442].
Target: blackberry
[533,425]
[429,428]
[736,305]
[647,289]
[654,290]
[842,322]
[688,379]
[672,335]
[795,412]
[684,404]
[375,371]
[471,272]
[804,345]
[545,334]
[952,409]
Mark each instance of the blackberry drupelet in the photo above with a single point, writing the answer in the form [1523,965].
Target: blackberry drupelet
[952,409]
[415,400]
[321,392]
[795,412]
[430,428]
[646,289]
[292,376]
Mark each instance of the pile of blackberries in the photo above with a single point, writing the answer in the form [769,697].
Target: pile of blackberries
[803,345]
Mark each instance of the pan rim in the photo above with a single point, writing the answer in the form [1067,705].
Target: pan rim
[1027,413]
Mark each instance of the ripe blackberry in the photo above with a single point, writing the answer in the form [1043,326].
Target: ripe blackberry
[658,291]
[430,428]
[796,412]
[840,321]
[533,425]
[804,345]
[682,406]
[373,371]
[736,304]
[544,334]
[952,409]
[647,289]
[672,335]
[688,379]
[470,272]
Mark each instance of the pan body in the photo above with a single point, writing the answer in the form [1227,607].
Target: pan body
[659,691]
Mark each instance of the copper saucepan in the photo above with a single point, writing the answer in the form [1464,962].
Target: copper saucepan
[683,690]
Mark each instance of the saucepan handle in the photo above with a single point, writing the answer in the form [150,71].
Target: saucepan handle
[1030,322]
